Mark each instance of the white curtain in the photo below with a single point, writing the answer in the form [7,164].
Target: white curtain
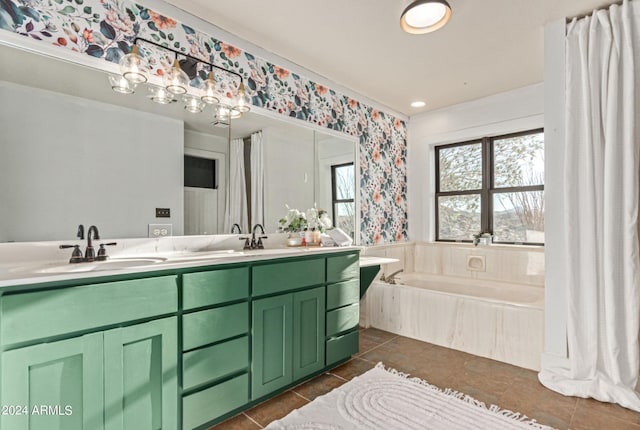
[236,208]
[601,217]
[257,180]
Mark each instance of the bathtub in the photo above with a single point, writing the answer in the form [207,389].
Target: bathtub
[491,291]
[497,320]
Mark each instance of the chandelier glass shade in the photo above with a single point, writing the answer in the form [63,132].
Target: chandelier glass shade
[121,85]
[160,95]
[182,79]
[209,93]
[176,81]
[133,68]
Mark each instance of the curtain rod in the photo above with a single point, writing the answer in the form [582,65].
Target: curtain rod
[584,15]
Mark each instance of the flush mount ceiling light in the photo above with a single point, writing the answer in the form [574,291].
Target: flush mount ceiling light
[425,16]
[181,79]
[418,104]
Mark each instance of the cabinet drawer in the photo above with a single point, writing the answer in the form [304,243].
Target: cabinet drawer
[209,404]
[214,287]
[42,314]
[213,325]
[213,362]
[278,277]
[343,267]
[342,347]
[343,319]
[343,293]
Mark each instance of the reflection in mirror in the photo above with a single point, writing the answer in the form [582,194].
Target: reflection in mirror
[75,152]
[296,170]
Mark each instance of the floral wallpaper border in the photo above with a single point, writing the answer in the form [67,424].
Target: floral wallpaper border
[106,29]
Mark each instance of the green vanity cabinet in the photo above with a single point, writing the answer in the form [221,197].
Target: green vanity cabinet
[110,378]
[68,373]
[343,308]
[215,344]
[288,339]
[308,332]
[272,346]
[141,376]
[183,348]
[121,379]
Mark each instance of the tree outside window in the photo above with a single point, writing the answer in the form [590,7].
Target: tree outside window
[494,185]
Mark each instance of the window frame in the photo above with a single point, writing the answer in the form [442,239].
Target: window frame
[488,190]
[334,191]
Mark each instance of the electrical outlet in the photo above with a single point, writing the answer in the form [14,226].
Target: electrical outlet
[160,230]
[163,213]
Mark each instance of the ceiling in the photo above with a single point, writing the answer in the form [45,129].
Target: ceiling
[488,47]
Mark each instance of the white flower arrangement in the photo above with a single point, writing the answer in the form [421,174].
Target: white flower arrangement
[295,220]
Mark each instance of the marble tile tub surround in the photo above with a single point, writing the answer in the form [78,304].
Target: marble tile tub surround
[502,263]
[506,333]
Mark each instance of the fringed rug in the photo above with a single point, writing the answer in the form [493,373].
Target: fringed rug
[386,399]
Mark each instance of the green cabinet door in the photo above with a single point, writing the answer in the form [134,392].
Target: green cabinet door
[140,376]
[272,344]
[54,386]
[308,332]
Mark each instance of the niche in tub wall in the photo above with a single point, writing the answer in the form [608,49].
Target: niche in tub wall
[503,263]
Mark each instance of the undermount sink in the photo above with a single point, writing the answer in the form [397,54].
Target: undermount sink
[111,264]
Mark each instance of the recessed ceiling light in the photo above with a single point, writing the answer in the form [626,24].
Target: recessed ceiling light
[418,104]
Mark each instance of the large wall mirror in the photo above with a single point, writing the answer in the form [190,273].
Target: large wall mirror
[73,152]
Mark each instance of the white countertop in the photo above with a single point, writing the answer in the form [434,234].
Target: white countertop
[43,271]
[366,261]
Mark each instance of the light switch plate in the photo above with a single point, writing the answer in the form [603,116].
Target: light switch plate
[160,230]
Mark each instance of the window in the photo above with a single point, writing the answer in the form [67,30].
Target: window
[342,197]
[199,172]
[495,185]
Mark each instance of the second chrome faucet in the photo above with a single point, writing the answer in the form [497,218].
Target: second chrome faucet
[89,253]
[254,244]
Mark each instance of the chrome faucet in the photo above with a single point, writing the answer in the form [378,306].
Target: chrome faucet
[236,226]
[391,278]
[253,244]
[90,253]
[258,244]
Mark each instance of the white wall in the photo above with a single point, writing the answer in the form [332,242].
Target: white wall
[288,174]
[517,110]
[66,160]
[555,342]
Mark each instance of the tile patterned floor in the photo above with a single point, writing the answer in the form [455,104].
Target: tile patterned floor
[487,380]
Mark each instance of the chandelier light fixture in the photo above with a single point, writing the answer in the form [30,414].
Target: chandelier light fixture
[178,82]
[425,16]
